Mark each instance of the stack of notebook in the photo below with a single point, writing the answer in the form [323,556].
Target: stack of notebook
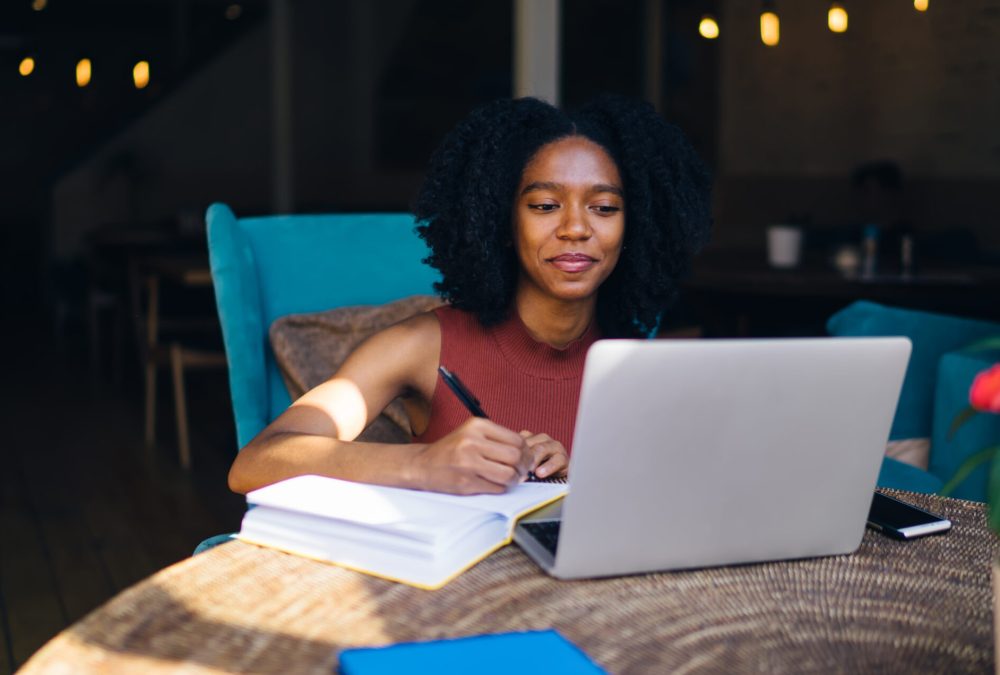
[424,539]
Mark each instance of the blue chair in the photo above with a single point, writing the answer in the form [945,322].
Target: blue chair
[918,415]
[950,448]
[266,267]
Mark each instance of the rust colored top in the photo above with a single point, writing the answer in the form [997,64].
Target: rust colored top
[520,382]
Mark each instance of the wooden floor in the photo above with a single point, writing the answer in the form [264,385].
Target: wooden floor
[85,509]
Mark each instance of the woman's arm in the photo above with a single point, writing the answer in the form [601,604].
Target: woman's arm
[316,434]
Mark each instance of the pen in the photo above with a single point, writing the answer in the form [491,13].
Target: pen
[468,400]
[463,394]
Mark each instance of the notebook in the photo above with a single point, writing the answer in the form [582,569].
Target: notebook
[424,539]
[544,652]
[697,453]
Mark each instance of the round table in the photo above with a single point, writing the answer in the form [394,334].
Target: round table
[892,606]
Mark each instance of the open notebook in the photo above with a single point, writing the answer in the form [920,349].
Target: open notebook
[424,539]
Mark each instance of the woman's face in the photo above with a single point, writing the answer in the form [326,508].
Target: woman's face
[569,219]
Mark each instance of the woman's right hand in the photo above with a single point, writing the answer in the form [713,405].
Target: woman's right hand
[479,456]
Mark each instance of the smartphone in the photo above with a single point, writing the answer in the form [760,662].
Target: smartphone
[900,520]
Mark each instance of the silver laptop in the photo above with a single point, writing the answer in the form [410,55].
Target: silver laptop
[697,453]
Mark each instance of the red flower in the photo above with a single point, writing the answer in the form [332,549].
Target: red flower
[984,394]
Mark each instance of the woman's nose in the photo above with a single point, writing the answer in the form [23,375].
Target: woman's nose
[574,225]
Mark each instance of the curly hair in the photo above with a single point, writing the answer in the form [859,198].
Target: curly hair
[466,203]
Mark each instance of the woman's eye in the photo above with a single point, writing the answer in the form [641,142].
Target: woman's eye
[606,209]
[543,207]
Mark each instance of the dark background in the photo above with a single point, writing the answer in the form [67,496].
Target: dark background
[87,510]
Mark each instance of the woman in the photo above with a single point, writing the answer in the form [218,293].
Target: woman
[550,230]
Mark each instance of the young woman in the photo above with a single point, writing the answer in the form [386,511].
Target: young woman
[550,230]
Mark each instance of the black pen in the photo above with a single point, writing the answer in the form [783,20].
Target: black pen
[463,394]
[468,400]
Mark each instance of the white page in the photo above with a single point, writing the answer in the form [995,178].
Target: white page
[393,565]
[404,512]
[422,514]
[508,504]
[406,542]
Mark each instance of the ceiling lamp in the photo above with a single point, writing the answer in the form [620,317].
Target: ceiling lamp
[920,5]
[83,72]
[708,27]
[770,31]
[836,18]
[140,74]
[26,67]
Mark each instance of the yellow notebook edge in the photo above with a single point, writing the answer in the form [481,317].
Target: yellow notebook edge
[415,584]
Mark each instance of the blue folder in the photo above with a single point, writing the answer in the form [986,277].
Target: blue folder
[542,652]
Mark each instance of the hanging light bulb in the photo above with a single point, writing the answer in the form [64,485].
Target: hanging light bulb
[140,74]
[83,72]
[26,67]
[920,5]
[708,27]
[39,5]
[770,31]
[836,18]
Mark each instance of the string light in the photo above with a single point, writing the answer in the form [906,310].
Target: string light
[83,72]
[836,18]
[140,74]
[26,67]
[39,5]
[920,5]
[708,27]
[770,30]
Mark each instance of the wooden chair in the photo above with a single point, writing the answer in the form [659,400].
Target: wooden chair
[181,351]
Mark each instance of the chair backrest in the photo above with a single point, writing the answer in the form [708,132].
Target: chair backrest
[267,267]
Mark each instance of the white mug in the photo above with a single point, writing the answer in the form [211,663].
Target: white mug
[784,245]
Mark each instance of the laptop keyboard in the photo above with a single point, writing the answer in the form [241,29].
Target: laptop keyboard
[545,532]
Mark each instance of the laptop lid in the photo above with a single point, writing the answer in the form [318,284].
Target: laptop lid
[713,452]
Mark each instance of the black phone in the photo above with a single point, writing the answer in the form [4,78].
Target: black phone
[900,520]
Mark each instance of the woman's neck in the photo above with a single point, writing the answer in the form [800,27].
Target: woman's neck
[554,322]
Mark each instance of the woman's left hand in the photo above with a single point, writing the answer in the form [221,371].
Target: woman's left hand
[550,457]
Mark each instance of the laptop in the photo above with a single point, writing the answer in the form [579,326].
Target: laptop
[699,453]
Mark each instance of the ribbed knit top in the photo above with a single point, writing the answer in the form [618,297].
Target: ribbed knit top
[520,382]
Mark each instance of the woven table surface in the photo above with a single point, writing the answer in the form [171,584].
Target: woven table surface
[919,606]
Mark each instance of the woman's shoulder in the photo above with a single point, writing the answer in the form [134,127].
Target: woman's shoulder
[428,330]
[417,328]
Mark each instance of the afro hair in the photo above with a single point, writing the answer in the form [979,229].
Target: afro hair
[465,206]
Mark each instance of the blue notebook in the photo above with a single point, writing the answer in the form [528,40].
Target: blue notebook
[543,652]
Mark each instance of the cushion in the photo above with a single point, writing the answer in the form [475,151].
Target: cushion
[309,348]
[913,451]
[932,335]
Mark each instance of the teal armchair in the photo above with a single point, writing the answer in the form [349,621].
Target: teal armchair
[934,391]
[266,267]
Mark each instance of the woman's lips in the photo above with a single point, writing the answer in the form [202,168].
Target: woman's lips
[572,262]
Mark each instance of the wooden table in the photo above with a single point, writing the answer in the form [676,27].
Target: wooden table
[905,607]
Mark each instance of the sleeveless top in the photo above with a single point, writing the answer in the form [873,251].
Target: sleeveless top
[520,382]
